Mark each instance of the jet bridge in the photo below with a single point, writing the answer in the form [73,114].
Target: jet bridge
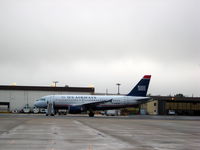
[50,109]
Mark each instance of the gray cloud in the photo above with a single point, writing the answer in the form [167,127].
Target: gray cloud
[101,42]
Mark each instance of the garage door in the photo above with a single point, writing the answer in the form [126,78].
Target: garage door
[4,106]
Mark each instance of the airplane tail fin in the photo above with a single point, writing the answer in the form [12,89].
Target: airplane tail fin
[141,88]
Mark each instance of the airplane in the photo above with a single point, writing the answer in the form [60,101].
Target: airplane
[76,104]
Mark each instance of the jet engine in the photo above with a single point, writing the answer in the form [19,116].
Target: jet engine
[76,109]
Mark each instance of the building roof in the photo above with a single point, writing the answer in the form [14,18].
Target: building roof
[48,88]
[178,99]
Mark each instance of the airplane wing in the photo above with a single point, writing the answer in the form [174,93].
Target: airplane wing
[91,104]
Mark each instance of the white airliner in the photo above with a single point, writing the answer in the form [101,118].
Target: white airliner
[89,103]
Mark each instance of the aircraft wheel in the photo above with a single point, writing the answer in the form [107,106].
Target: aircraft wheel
[91,114]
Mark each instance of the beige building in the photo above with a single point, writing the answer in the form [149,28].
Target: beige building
[151,107]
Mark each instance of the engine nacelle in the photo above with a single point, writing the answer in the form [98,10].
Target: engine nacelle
[76,109]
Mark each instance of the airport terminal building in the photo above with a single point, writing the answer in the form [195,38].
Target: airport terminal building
[14,98]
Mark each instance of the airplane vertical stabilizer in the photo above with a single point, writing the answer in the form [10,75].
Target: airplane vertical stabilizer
[141,88]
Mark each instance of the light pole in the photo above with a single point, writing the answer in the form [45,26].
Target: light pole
[106,91]
[55,82]
[118,85]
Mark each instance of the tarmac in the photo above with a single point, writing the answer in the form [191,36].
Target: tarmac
[38,132]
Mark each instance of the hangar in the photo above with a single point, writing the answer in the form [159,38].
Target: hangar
[167,105]
[14,98]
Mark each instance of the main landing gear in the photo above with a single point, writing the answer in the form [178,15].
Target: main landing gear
[91,114]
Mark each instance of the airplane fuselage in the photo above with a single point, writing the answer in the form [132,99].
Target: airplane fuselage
[64,101]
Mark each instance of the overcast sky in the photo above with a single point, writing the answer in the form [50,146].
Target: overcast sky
[100,43]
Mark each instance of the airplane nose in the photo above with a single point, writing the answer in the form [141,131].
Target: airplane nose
[36,104]
[40,104]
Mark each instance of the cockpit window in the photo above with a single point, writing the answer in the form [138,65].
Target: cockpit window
[41,99]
